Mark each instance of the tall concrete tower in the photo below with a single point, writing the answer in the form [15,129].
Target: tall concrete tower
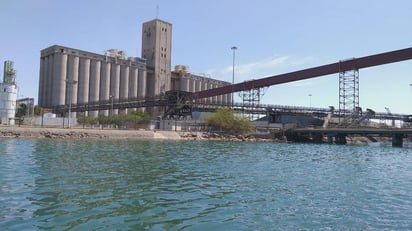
[157,50]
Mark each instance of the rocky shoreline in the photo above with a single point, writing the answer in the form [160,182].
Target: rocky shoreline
[225,137]
[80,133]
[117,134]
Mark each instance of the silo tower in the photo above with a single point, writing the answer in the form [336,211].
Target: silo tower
[8,94]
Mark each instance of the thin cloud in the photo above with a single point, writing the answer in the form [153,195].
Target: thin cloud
[258,69]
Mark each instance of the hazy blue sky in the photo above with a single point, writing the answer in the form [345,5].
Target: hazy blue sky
[272,37]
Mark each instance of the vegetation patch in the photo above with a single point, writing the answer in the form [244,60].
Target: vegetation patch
[225,120]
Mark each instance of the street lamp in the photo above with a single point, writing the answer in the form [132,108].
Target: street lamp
[310,100]
[234,48]
[70,83]
[410,86]
[111,104]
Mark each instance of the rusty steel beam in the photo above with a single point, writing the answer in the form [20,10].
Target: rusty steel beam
[333,68]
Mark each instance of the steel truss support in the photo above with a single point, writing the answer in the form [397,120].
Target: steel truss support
[251,100]
[349,93]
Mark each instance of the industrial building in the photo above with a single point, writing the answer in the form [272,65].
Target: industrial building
[70,76]
[74,76]
[183,80]
[8,94]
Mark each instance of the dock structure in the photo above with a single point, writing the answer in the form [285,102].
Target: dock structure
[338,135]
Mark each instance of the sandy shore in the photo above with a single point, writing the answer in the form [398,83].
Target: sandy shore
[88,133]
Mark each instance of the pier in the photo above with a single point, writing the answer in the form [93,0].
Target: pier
[338,135]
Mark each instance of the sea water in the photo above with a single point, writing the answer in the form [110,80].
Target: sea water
[198,185]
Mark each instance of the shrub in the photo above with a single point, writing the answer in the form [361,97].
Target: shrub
[225,120]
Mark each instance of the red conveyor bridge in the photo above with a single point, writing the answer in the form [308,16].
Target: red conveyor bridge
[333,68]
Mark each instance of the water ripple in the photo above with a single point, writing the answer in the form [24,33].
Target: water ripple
[145,185]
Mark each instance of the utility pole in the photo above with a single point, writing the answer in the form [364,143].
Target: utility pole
[111,104]
[234,48]
[70,83]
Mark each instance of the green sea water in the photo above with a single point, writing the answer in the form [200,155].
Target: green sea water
[195,185]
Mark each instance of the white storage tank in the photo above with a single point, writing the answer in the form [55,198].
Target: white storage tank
[8,97]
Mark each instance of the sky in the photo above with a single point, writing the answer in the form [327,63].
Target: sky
[272,37]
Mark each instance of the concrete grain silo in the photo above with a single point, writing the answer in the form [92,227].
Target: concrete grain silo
[59,79]
[184,83]
[84,81]
[228,99]
[42,80]
[115,83]
[124,84]
[198,85]
[49,84]
[192,84]
[133,82]
[203,88]
[94,85]
[72,81]
[219,97]
[213,98]
[142,84]
[105,85]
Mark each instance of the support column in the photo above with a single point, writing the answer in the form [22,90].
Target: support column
[397,140]
[330,139]
[348,94]
[340,139]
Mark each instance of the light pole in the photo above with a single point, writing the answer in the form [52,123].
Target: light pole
[234,48]
[410,86]
[310,100]
[111,104]
[70,83]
